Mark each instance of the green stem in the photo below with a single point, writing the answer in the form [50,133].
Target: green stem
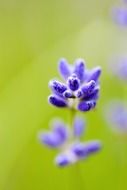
[78,181]
[72,117]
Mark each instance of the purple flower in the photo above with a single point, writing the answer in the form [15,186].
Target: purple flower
[116,116]
[80,89]
[67,140]
[119,15]
[119,67]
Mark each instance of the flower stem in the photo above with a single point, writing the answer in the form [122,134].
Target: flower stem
[78,181]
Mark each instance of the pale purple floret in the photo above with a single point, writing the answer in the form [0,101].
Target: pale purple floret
[119,15]
[62,160]
[51,139]
[61,129]
[68,141]
[116,116]
[81,84]
[79,126]
[82,150]
[56,137]
[93,147]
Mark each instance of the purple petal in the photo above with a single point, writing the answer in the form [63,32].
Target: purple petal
[88,87]
[68,94]
[94,74]
[73,83]
[86,105]
[93,146]
[57,87]
[66,158]
[57,101]
[60,129]
[64,68]
[79,126]
[79,93]
[80,150]
[62,160]
[94,95]
[80,69]
[50,139]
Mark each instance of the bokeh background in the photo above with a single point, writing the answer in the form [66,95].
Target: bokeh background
[33,36]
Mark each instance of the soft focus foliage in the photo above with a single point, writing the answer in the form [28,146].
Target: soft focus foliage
[33,35]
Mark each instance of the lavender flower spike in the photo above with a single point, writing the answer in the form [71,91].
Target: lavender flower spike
[79,91]
[81,85]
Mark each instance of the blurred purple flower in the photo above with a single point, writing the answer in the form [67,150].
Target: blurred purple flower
[119,67]
[81,88]
[68,141]
[119,15]
[116,116]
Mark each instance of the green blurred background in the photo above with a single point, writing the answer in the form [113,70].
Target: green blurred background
[33,36]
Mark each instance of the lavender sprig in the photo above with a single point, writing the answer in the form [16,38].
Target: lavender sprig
[80,89]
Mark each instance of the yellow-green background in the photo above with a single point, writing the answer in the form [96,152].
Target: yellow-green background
[33,36]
